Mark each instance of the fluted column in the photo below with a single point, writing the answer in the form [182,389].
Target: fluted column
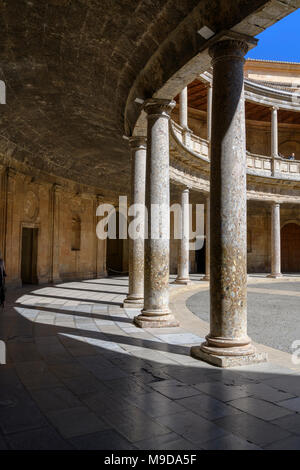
[183,275]
[275,242]
[274,136]
[135,297]
[207,241]
[156,312]
[228,344]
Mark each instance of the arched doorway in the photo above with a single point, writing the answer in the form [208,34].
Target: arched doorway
[290,248]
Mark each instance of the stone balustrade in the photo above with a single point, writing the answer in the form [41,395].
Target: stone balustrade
[257,165]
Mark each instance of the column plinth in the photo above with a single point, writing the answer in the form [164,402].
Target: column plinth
[135,297]
[156,312]
[276,243]
[228,344]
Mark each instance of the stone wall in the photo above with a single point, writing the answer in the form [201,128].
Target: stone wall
[51,208]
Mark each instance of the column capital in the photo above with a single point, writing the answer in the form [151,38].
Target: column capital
[138,142]
[159,107]
[228,48]
[274,108]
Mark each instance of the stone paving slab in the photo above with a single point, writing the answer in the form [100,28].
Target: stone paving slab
[82,376]
[76,421]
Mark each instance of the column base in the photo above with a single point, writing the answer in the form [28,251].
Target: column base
[155,321]
[232,356]
[133,303]
[275,276]
[182,281]
[205,278]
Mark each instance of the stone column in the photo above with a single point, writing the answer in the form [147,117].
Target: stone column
[276,243]
[183,276]
[56,222]
[183,116]
[207,240]
[156,312]
[227,344]
[183,108]
[274,137]
[135,297]
[209,111]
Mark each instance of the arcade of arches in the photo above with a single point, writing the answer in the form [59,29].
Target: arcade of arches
[208,128]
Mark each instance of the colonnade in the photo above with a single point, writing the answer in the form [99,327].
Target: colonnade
[227,343]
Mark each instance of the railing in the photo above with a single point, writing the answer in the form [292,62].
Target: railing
[260,165]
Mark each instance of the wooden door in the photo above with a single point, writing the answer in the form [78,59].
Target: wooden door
[290,248]
[29,256]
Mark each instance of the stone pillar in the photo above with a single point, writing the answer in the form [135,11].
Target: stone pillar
[183,116]
[209,111]
[274,137]
[207,240]
[135,297]
[156,312]
[56,222]
[183,276]
[276,243]
[183,108]
[100,245]
[227,344]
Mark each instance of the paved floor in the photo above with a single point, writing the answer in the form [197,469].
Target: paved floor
[273,312]
[79,375]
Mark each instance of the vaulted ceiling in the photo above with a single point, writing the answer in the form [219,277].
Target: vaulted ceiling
[69,66]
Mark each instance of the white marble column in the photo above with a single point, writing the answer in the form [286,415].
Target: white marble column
[228,344]
[135,297]
[274,136]
[183,271]
[207,240]
[275,242]
[156,312]
[183,116]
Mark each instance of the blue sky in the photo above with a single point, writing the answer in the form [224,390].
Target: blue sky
[281,41]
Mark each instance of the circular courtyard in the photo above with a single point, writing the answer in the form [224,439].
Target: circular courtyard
[273,311]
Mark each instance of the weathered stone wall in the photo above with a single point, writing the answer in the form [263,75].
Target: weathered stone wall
[27,202]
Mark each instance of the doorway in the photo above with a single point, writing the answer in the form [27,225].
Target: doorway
[201,259]
[114,250]
[29,256]
[290,248]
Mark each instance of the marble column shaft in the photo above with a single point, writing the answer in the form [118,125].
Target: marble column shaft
[228,343]
[207,240]
[209,112]
[275,242]
[274,132]
[135,298]
[183,116]
[156,312]
[183,276]
[274,138]
[183,108]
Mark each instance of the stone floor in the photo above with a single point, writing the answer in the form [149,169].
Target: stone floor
[80,375]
